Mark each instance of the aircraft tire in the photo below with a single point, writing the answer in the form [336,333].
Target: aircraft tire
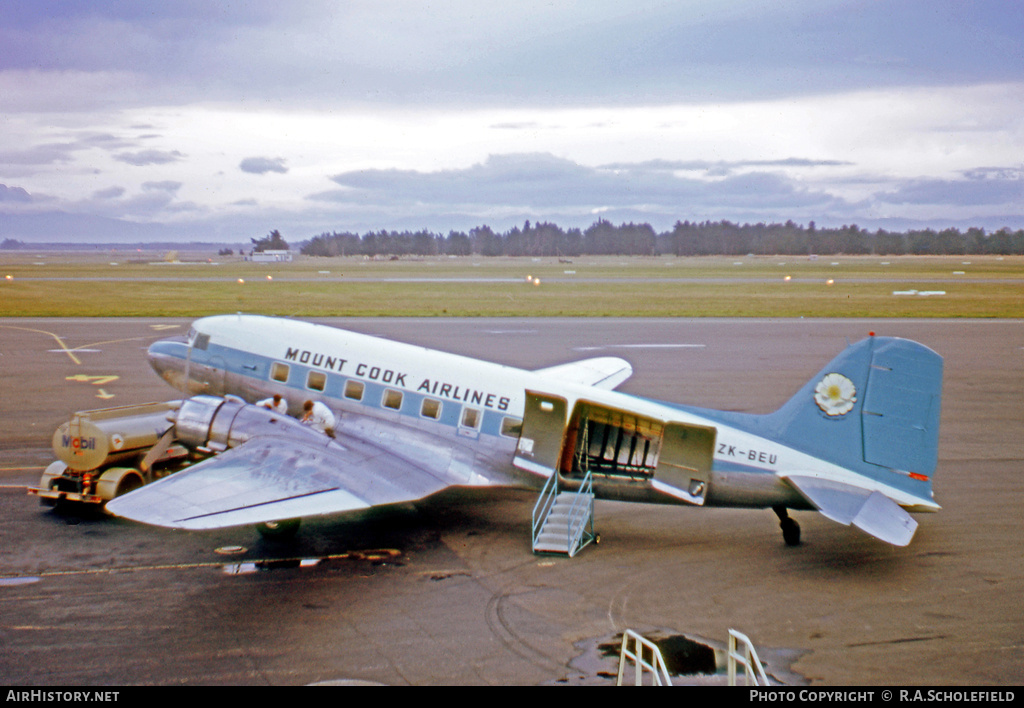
[278,530]
[790,532]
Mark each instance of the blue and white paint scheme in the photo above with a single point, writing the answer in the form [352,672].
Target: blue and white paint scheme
[858,443]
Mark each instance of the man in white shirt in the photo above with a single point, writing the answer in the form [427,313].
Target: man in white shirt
[276,404]
[318,416]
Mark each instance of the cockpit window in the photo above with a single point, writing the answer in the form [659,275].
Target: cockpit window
[200,341]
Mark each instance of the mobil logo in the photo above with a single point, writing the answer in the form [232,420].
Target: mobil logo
[78,443]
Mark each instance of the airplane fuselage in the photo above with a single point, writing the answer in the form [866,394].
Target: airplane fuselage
[495,424]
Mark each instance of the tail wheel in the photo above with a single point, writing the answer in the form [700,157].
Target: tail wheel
[278,530]
[790,532]
[790,528]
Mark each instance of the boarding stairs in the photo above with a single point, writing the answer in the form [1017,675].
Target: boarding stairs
[563,521]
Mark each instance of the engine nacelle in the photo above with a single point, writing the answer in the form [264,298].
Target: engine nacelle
[220,423]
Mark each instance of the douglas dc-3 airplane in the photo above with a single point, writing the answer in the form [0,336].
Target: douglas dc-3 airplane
[858,442]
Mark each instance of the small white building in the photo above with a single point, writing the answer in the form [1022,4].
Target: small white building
[271,256]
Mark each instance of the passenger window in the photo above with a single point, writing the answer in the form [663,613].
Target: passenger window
[431,408]
[316,380]
[279,372]
[511,427]
[470,418]
[354,389]
[392,399]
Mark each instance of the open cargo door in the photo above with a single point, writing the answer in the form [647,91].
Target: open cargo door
[685,463]
[540,443]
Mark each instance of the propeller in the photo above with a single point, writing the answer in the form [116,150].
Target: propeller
[188,365]
[157,451]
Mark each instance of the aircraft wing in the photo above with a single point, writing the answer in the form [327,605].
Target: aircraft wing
[868,510]
[605,372]
[273,477]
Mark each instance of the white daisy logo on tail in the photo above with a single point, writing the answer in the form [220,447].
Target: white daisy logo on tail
[835,394]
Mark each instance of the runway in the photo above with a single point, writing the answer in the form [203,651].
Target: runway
[448,592]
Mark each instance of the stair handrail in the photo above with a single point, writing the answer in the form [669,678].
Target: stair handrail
[544,503]
[581,511]
[753,670]
[656,666]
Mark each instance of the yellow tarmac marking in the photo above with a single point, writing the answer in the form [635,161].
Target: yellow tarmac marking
[94,380]
[60,341]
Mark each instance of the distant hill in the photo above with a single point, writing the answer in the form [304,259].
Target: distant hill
[67,228]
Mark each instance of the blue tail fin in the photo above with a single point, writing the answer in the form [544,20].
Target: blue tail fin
[874,409]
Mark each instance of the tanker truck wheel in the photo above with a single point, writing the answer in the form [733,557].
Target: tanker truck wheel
[118,481]
[51,473]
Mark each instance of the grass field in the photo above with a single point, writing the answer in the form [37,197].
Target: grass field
[133,283]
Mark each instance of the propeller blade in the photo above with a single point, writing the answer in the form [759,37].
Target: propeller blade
[157,451]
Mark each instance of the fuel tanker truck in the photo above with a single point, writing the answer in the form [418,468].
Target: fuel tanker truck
[102,454]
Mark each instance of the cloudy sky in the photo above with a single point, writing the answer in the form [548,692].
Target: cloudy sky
[224,120]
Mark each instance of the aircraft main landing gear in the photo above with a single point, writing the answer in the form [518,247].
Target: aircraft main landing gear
[790,528]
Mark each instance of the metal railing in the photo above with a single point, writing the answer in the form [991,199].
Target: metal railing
[543,506]
[748,658]
[655,667]
[581,514]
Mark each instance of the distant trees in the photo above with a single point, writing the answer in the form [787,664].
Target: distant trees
[271,242]
[685,239]
[10,244]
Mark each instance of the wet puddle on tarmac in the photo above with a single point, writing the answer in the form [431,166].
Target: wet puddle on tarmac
[377,556]
[690,660]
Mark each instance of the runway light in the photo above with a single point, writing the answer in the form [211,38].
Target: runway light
[241,281]
[529,279]
[829,281]
[9,277]
[270,277]
[536,281]
[788,278]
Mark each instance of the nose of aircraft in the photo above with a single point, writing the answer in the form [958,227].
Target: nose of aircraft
[168,358]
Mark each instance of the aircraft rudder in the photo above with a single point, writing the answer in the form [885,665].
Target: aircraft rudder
[873,409]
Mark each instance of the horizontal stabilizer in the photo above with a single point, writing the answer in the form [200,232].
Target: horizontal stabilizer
[605,372]
[870,511]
